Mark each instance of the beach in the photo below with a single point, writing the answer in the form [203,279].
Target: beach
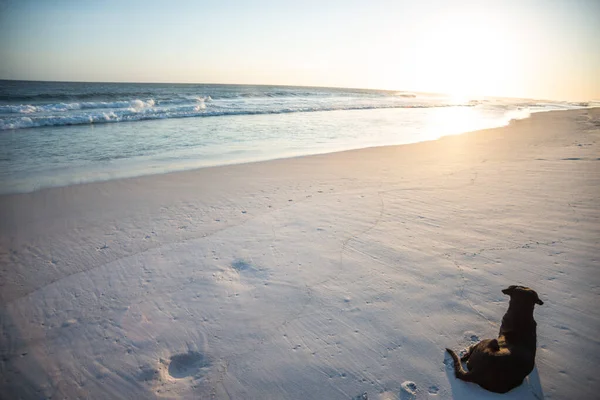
[314,277]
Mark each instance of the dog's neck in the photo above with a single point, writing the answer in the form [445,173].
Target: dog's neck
[518,323]
[520,311]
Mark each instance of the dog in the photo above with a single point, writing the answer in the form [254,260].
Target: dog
[499,365]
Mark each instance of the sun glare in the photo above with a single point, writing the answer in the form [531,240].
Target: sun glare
[452,121]
[465,55]
[459,97]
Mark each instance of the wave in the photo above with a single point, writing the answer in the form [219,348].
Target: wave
[240,100]
[144,112]
[58,97]
[234,92]
[183,100]
[65,107]
[517,114]
[199,110]
[66,94]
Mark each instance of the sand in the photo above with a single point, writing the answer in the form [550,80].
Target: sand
[320,277]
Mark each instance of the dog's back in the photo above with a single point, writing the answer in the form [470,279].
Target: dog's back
[496,370]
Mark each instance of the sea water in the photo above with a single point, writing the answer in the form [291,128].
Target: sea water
[62,133]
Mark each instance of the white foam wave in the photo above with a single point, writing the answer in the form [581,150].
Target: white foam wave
[64,107]
[521,113]
[135,105]
[184,111]
[137,112]
[57,114]
[31,109]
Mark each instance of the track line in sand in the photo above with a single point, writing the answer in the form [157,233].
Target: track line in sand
[462,291]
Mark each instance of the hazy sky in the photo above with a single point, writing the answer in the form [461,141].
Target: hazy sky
[522,48]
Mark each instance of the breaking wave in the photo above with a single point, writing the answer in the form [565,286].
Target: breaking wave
[77,104]
[145,112]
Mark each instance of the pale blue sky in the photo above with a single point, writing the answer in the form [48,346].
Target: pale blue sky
[526,48]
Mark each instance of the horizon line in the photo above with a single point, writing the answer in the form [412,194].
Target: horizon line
[470,97]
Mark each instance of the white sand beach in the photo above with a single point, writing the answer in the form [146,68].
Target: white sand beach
[319,277]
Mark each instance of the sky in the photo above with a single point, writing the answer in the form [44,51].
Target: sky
[545,49]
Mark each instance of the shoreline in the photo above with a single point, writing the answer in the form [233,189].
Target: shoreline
[291,157]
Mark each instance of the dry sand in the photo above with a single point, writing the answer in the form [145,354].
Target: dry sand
[317,277]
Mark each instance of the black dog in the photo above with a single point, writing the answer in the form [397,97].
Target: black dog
[500,365]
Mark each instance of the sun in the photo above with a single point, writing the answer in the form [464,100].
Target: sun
[466,55]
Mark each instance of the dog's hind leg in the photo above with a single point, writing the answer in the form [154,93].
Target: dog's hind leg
[459,371]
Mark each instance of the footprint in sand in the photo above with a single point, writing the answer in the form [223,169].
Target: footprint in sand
[433,390]
[187,364]
[248,269]
[408,390]
[241,265]
[472,337]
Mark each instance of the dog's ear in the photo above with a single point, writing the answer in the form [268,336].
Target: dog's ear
[509,290]
[536,299]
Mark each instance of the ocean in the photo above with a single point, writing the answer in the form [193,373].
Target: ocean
[62,133]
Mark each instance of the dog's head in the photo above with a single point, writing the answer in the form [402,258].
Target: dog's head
[523,293]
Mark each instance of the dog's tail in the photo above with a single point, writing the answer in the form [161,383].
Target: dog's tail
[459,371]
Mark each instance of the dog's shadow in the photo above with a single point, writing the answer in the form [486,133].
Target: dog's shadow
[530,389]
